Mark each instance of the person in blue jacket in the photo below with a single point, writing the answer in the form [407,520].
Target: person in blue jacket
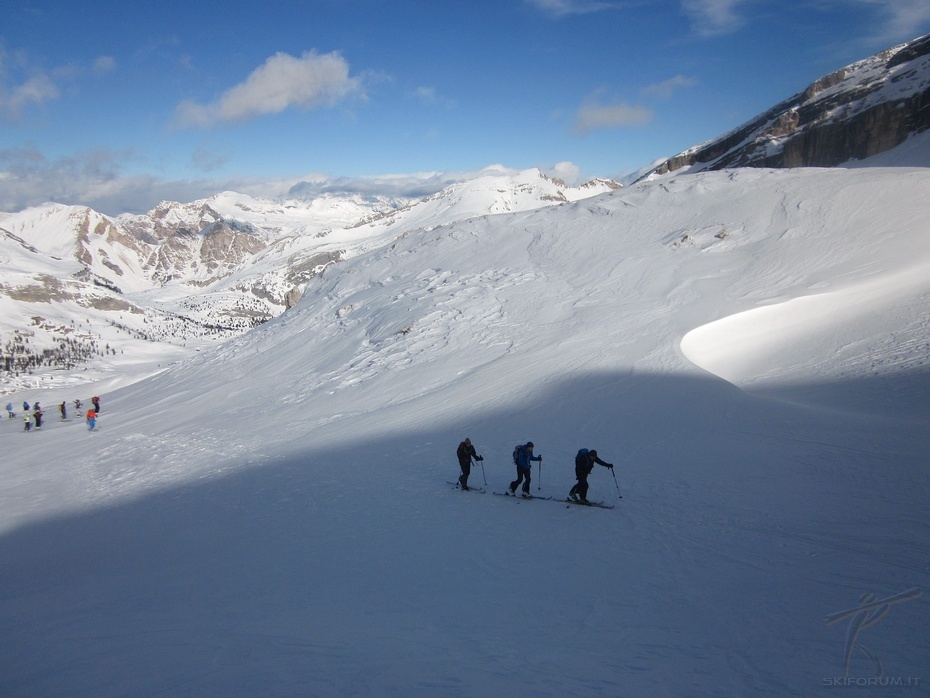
[522,456]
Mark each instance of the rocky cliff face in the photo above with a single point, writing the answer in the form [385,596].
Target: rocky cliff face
[864,109]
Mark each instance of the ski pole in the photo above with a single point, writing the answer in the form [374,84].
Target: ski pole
[539,484]
[615,483]
[482,472]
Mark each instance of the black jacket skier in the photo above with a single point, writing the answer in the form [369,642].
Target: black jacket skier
[584,464]
[465,452]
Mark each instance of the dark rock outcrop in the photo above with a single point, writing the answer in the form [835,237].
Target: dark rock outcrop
[862,110]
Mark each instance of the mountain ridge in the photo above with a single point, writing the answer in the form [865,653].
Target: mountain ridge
[212,268]
[854,113]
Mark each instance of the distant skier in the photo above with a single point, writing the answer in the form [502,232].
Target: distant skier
[96,401]
[37,413]
[91,419]
[27,418]
[25,406]
[63,408]
[584,464]
[9,410]
[77,405]
[465,453]
[522,455]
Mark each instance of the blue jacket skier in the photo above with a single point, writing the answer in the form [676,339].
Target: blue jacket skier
[522,456]
[584,464]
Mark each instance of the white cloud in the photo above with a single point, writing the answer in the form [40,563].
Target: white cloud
[902,20]
[666,88]
[561,8]
[283,81]
[426,94]
[17,92]
[896,20]
[429,96]
[593,116]
[23,86]
[31,179]
[568,172]
[34,91]
[104,64]
[95,179]
[713,17]
[415,185]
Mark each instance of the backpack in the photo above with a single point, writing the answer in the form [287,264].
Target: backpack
[516,454]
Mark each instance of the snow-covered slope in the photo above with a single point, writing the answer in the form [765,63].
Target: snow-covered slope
[271,517]
[190,274]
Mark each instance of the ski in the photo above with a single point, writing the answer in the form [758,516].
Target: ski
[599,505]
[458,487]
[519,496]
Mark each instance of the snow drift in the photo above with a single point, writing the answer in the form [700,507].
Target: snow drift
[272,517]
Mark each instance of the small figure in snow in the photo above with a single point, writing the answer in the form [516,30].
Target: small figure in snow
[465,453]
[77,405]
[25,406]
[96,401]
[37,413]
[63,408]
[522,455]
[27,418]
[9,410]
[584,464]
[91,419]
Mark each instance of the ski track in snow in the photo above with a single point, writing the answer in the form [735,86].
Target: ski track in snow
[273,518]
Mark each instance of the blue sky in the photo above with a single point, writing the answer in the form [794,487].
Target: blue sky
[118,105]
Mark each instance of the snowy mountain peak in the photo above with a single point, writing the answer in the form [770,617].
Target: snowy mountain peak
[222,264]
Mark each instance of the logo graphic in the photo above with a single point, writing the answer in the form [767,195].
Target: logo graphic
[869,611]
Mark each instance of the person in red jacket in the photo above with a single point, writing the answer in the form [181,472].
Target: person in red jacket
[91,419]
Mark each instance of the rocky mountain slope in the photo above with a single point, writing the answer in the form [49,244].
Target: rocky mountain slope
[854,113]
[80,288]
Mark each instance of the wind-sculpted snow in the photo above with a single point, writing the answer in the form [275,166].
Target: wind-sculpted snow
[272,516]
[196,274]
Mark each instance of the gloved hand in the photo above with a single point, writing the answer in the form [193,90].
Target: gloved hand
[610,465]
[479,457]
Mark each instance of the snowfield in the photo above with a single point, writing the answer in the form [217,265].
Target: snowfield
[272,517]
